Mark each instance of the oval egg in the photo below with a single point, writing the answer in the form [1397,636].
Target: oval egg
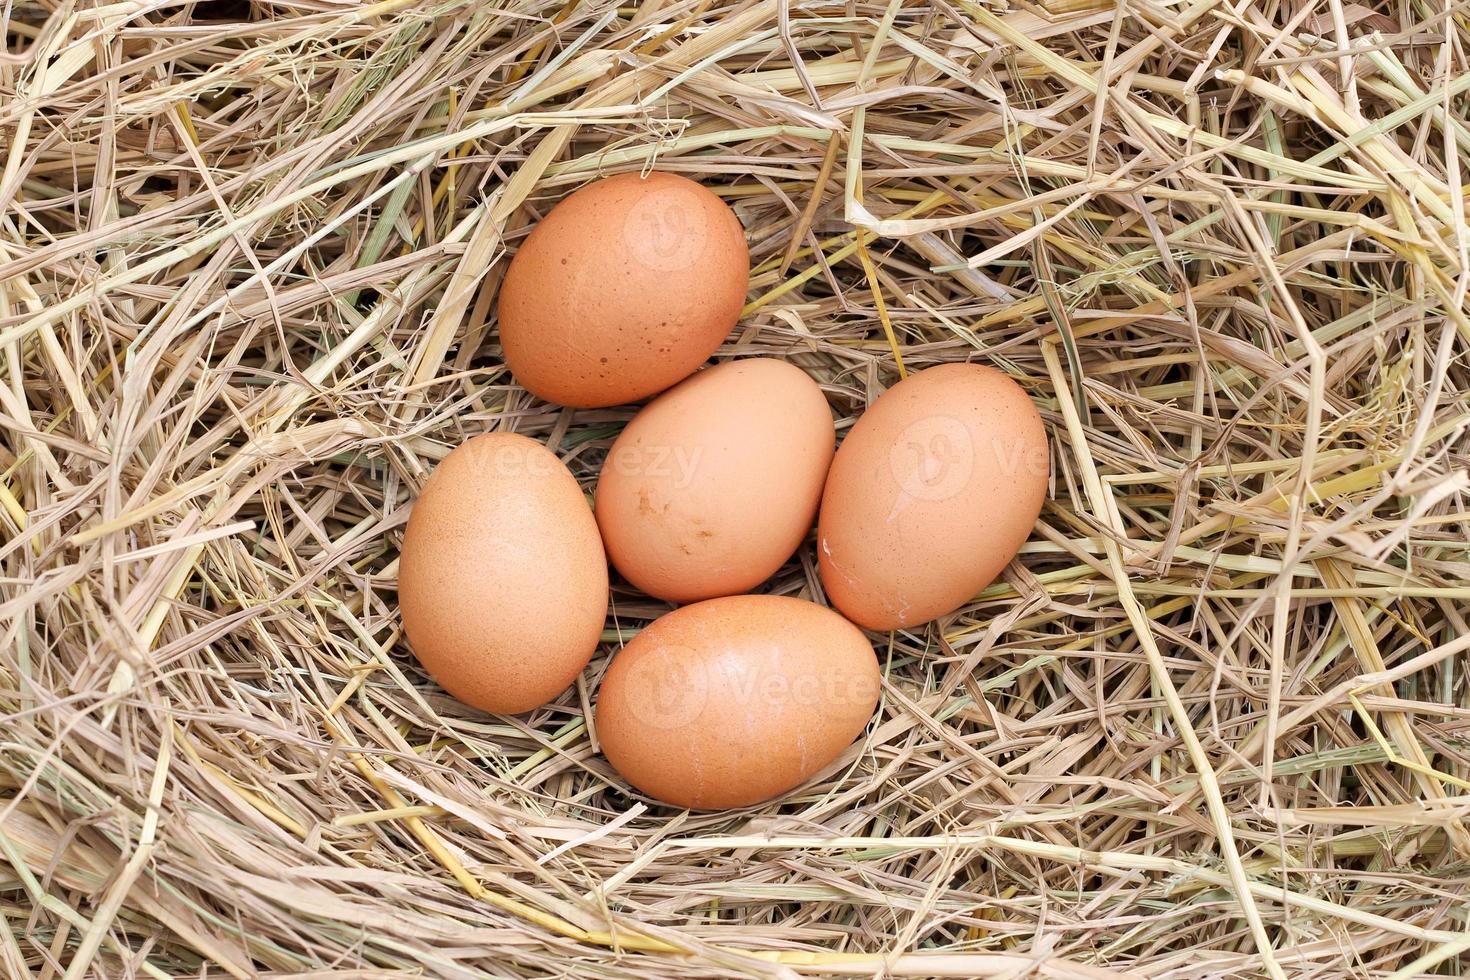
[502,580]
[930,495]
[714,484]
[733,701]
[625,288]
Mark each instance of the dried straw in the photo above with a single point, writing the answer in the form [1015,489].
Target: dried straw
[1212,723]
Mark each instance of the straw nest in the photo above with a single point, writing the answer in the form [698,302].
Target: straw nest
[1211,723]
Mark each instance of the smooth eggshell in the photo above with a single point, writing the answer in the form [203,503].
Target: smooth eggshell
[931,494]
[736,700]
[624,289]
[716,482]
[502,580]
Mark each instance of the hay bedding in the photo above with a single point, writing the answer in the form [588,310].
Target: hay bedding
[1212,723]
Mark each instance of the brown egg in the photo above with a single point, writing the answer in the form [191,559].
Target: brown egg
[502,580]
[931,494]
[624,289]
[715,483]
[736,700]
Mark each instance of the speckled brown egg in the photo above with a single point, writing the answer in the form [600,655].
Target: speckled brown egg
[716,482]
[931,494]
[733,701]
[623,290]
[502,580]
